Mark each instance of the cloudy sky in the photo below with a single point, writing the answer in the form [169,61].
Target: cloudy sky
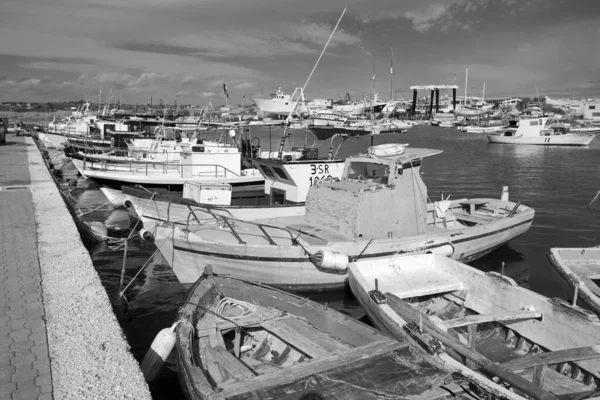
[185,49]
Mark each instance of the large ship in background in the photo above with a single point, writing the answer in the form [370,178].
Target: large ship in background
[280,105]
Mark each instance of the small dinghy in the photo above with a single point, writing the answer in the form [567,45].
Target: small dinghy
[542,347]
[242,340]
[581,268]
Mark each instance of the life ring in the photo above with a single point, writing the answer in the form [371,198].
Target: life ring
[387,150]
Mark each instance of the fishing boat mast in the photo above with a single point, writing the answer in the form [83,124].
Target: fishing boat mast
[289,117]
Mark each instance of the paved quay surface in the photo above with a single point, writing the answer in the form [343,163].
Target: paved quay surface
[24,360]
[59,338]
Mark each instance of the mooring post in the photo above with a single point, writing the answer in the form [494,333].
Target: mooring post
[502,269]
[575,294]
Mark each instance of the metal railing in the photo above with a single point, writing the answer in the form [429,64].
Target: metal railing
[146,166]
[231,222]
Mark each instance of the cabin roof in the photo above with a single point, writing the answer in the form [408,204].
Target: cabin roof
[409,155]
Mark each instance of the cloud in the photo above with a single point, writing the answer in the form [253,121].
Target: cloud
[208,94]
[317,34]
[424,19]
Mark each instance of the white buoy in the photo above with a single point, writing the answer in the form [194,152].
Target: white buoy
[331,260]
[445,250]
[146,235]
[232,133]
[504,196]
[158,353]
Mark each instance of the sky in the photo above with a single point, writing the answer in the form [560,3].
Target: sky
[184,50]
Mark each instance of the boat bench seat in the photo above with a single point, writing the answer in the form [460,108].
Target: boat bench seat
[224,366]
[475,218]
[425,281]
[303,337]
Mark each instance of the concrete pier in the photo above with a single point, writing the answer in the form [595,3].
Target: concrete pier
[59,338]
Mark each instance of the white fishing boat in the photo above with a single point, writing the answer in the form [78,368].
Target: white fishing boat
[536,131]
[585,129]
[483,129]
[282,105]
[581,269]
[376,209]
[540,347]
[219,164]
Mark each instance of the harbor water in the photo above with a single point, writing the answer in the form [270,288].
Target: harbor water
[558,182]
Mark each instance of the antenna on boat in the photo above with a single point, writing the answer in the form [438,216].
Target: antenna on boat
[392,74]
[289,117]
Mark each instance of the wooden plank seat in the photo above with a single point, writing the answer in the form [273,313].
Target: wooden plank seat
[554,357]
[474,218]
[312,367]
[224,366]
[482,318]
[425,281]
[292,337]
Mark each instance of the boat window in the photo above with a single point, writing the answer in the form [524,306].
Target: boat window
[533,123]
[277,196]
[280,173]
[592,107]
[267,171]
[369,171]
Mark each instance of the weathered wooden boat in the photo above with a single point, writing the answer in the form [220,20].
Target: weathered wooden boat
[535,344]
[377,209]
[243,340]
[581,269]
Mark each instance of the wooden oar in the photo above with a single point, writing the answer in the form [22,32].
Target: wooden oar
[411,314]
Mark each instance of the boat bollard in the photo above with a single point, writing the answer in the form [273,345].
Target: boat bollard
[504,196]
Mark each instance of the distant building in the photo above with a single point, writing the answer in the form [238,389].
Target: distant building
[592,110]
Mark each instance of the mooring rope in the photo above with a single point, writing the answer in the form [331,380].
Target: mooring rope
[140,216]
[122,293]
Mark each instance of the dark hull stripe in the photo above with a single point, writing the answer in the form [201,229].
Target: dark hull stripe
[467,239]
[371,255]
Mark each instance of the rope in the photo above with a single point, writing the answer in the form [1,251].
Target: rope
[143,211]
[92,210]
[121,294]
[247,309]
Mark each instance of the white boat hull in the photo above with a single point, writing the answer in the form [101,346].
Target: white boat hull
[553,140]
[155,211]
[148,174]
[580,267]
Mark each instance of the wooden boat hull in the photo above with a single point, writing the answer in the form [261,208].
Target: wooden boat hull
[559,327]
[344,358]
[580,267]
[555,140]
